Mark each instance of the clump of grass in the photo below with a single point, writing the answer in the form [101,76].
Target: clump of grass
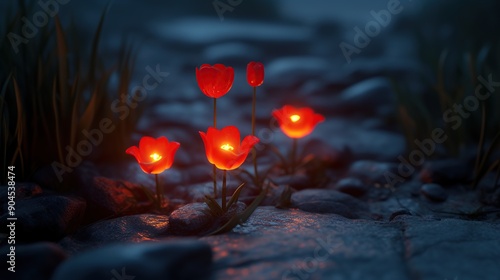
[51,91]
[456,79]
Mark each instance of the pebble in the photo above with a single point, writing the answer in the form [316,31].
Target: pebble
[372,172]
[446,171]
[434,192]
[352,186]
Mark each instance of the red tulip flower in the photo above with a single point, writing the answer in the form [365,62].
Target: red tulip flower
[255,78]
[223,147]
[215,81]
[297,122]
[255,74]
[154,155]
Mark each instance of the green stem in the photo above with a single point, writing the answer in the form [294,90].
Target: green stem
[215,112]
[293,156]
[159,196]
[214,170]
[224,206]
[254,152]
[496,177]
[253,109]
[282,158]
[214,176]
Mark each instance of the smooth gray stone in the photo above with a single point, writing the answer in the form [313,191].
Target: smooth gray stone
[46,217]
[135,228]
[352,186]
[173,259]
[328,201]
[33,261]
[293,244]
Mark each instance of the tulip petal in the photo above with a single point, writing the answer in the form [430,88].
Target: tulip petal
[231,135]
[168,158]
[248,143]
[134,151]
[318,118]
[162,145]
[220,67]
[208,146]
[148,167]
[147,146]
[255,73]
[229,77]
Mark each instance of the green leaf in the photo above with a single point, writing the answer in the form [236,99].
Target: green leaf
[243,217]
[214,207]
[235,196]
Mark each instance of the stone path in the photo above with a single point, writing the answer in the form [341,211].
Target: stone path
[280,244]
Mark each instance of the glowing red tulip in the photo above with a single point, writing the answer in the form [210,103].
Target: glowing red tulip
[223,147]
[154,155]
[255,73]
[215,81]
[297,122]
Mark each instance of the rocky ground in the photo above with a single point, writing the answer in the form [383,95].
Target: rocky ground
[344,219]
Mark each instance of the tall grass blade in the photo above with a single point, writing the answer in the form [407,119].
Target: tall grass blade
[95,45]
[62,54]
[56,122]
[20,125]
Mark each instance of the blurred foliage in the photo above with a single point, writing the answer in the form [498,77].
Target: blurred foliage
[53,89]
[461,23]
[457,42]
